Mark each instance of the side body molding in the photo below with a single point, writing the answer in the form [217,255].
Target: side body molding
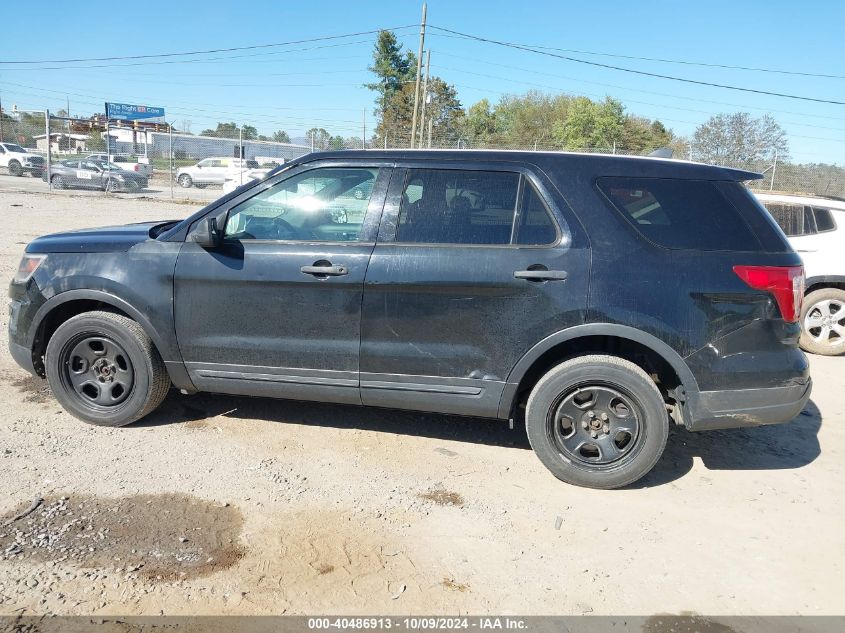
[658,346]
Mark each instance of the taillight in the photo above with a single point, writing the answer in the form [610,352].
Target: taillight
[785,283]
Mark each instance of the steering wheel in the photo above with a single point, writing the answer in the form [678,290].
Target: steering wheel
[284,230]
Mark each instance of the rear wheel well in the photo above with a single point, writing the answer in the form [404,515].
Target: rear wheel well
[58,315]
[657,367]
[820,285]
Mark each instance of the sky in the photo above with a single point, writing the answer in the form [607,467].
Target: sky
[320,84]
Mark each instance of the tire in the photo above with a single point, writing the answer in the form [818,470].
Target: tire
[104,369]
[185,181]
[109,187]
[627,443]
[59,182]
[15,168]
[822,311]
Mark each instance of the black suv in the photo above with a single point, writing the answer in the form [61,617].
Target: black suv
[597,297]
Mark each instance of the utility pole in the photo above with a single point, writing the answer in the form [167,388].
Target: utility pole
[419,72]
[424,95]
[170,140]
[364,122]
[49,163]
[429,133]
[774,170]
[1,119]
[241,152]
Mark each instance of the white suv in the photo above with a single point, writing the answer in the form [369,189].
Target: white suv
[815,227]
[212,171]
[19,161]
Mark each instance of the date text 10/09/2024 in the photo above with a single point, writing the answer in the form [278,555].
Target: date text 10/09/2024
[417,623]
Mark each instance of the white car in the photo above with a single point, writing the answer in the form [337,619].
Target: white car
[212,171]
[20,161]
[142,168]
[815,227]
[233,181]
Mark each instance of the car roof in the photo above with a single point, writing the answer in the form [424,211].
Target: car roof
[600,163]
[818,201]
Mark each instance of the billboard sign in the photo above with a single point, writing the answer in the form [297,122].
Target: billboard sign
[128,112]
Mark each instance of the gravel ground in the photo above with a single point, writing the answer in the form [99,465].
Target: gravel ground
[218,505]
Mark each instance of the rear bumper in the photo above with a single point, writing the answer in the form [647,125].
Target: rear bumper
[22,356]
[708,410]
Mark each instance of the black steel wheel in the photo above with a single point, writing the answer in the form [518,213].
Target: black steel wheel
[98,370]
[595,424]
[597,421]
[104,369]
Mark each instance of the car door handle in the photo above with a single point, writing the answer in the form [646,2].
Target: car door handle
[541,275]
[325,271]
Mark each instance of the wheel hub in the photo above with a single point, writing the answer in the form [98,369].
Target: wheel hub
[98,371]
[595,424]
[104,370]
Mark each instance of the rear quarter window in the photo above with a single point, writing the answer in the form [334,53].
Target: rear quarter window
[679,214]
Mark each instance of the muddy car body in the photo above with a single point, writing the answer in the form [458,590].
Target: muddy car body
[600,298]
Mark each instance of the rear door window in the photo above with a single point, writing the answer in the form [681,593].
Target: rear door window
[454,206]
[680,214]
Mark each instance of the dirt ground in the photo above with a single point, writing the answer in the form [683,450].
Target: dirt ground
[222,505]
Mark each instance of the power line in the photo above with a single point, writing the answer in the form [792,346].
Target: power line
[634,71]
[203,52]
[648,92]
[207,60]
[683,62]
[656,105]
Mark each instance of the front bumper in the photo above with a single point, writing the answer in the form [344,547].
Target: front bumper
[709,410]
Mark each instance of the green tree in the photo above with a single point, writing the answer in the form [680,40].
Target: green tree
[739,139]
[392,68]
[479,124]
[231,130]
[95,142]
[320,138]
[444,110]
[590,125]
[281,136]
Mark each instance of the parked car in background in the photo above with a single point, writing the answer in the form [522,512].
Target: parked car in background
[596,299]
[213,171]
[91,174]
[20,161]
[815,227]
[235,180]
[145,169]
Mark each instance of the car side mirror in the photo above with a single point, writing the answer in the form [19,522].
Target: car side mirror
[206,233]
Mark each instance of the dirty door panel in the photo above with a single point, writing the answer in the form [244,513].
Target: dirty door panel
[257,315]
[443,324]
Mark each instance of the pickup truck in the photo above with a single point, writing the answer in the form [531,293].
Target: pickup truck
[19,161]
[140,168]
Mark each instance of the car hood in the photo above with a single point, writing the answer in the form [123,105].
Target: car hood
[99,240]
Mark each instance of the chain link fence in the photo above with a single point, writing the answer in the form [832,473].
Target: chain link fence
[172,165]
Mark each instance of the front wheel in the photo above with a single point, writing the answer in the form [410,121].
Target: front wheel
[15,168]
[823,322]
[184,181]
[58,182]
[103,369]
[597,421]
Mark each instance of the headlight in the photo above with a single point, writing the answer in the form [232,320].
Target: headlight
[29,264]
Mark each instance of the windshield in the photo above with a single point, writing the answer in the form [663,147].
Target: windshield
[14,148]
